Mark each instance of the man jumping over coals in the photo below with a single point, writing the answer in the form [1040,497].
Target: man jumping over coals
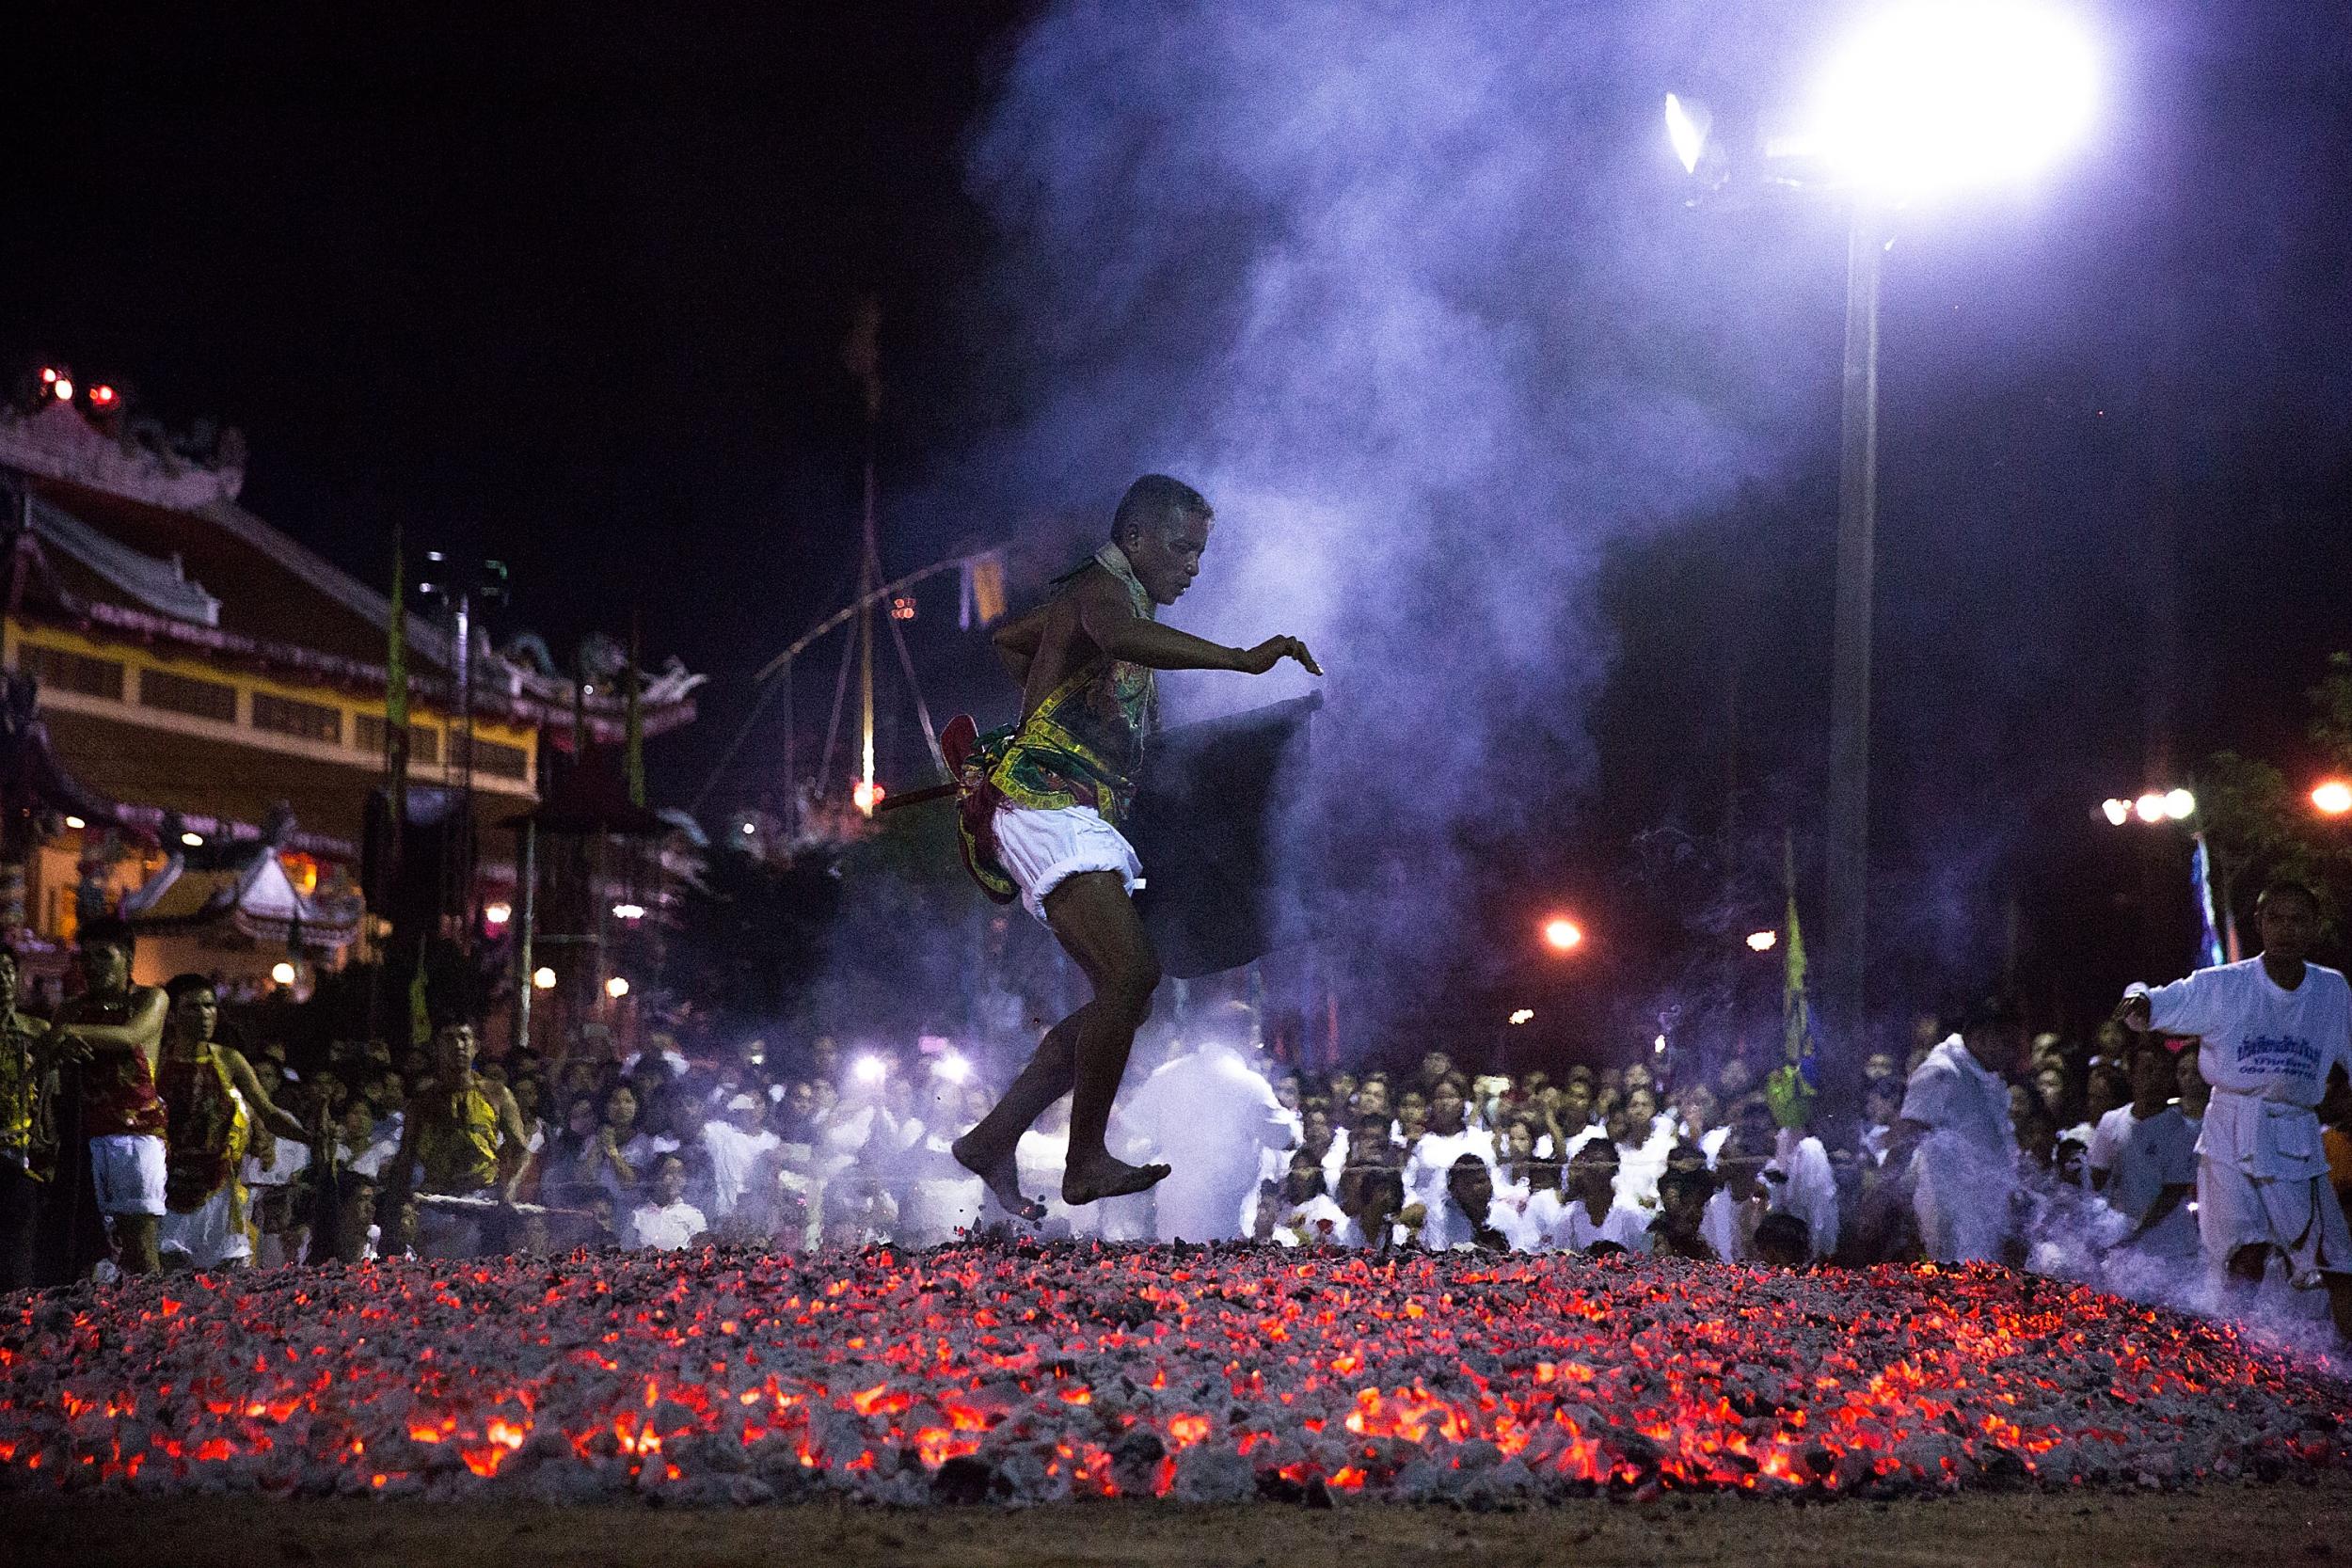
[1041,805]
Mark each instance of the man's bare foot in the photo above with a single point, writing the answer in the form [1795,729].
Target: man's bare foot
[1003,1177]
[1107,1178]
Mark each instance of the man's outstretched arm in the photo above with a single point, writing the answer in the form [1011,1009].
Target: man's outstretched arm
[1112,625]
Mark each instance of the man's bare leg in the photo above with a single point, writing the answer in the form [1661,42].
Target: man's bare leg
[1097,925]
[987,1150]
[2340,1305]
[137,1234]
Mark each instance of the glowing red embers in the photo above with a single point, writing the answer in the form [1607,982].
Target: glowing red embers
[1048,1373]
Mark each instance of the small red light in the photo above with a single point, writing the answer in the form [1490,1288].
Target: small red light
[101,395]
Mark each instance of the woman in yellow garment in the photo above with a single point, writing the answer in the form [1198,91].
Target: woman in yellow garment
[461,1136]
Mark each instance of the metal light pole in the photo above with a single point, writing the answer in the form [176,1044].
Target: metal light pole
[1849,824]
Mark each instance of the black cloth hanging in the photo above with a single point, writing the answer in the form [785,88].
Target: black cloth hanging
[1206,822]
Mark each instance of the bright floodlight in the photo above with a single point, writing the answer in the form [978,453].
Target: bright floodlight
[954,1068]
[1561,933]
[2116,812]
[870,1069]
[1686,125]
[1936,94]
[542,978]
[616,988]
[1763,941]
[1524,1015]
[282,973]
[2179,804]
[2335,797]
[2149,807]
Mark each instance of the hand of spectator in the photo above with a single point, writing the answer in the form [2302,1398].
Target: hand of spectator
[2133,1012]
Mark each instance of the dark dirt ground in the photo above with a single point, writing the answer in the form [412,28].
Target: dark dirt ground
[2277,1526]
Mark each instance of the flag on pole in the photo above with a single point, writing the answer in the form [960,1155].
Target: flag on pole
[1792,1084]
[2209,947]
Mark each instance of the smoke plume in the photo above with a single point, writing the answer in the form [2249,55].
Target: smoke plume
[1410,292]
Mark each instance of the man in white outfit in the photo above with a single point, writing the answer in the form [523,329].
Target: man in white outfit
[1966,1170]
[1213,1115]
[2274,1029]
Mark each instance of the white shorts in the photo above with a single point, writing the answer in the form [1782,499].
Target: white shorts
[2300,1217]
[1041,849]
[212,1235]
[127,1169]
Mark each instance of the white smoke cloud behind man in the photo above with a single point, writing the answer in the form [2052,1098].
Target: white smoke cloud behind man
[1409,292]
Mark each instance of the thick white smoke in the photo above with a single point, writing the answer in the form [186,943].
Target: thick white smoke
[1409,291]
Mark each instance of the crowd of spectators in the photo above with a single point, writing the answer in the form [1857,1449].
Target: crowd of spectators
[2073,1159]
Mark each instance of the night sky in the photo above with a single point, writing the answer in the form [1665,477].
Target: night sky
[573,294]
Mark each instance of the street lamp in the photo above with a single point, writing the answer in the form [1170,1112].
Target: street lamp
[2154,808]
[1926,97]
[2333,799]
[1563,935]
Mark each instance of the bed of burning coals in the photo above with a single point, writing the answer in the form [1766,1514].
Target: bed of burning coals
[1020,1373]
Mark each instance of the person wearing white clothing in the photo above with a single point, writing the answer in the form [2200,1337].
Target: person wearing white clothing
[1643,1140]
[1431,1159]
[1966,1170]
[665,1052]
[1210,1115]
[1302,1211]
[737,1148]
[1798,1179]
[1466,1217]
[2143,1162]
[2274,1029]
[666,1222]
[1593,1213]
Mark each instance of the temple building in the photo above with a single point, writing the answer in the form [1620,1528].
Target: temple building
[193,718]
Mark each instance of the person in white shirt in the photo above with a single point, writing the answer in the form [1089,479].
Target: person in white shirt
[665,1052]
[1966,1170]
[1594,1212]
[1882,1105]
[1290,1095]
[2192,1092]
[1210,1115]
[1644,1139]
[2274,1029]
[1465,1216]
[741,1150]
[2143,1162]
[1740,1199]
[1431,1155]
[1304,1211]
[665,1221]
[1798,1179]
